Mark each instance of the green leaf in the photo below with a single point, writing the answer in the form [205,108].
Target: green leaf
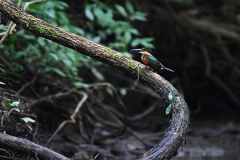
[14,103]
[127,37]
[168,110]
[109,14]
[54,56]
[121,10]
[41,41]
[175,98]
[10,104]
[51,13]
[2,83]
[19,54]
[27,119]
[80,84]
[68,63]
[76,30]
[96,39]
[89,14]
[129,7]
[98,12]
[63,17]
[29,37]
[135,42]
[146,42]
[5,113]
[59,72]
[3,27]
[13,109]
[13,38]
[98,124]
[73,56]
[62,5]
[2,70]
[139,16]
[16,109]
[134,31]
[170,96]
[32,49]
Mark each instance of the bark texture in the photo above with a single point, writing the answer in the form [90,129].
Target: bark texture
[29,148]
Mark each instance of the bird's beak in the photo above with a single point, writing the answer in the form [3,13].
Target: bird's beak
[136,50]
[140,51]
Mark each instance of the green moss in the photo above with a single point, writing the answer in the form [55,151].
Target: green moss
[106,49]
[133,65]
[32,23]
[119,55]
[129,64]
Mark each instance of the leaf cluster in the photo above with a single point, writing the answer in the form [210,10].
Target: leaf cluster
[108,24]
[114,23]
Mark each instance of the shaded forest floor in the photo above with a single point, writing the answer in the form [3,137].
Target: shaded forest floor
[207,139]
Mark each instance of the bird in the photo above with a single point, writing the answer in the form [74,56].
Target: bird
[149,60]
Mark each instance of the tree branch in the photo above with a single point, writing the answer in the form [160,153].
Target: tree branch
[177,131]
[29,148]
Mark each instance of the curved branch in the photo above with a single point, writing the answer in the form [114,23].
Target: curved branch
[177,131]
[28,147]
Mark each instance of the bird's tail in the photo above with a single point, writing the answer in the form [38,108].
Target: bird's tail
[168,69]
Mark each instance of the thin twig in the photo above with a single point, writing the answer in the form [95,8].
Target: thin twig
[11,25]
[207,60]
[6,33]
[110,113]
[72,117]
[48,98]
[81,128]
[224,49]
[100,119]
[27,84]
[28,3]
[145,113]
[114,90]
[139,138]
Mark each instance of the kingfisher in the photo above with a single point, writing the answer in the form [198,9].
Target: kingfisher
[150,60]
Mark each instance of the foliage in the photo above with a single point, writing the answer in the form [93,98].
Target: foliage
[27,120]
[11,105]
[103,17]
[171,101]
[24,49]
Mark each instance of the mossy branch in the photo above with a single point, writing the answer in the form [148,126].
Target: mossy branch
[176,133]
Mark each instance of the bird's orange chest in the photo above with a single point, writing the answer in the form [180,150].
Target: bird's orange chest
[144,60]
